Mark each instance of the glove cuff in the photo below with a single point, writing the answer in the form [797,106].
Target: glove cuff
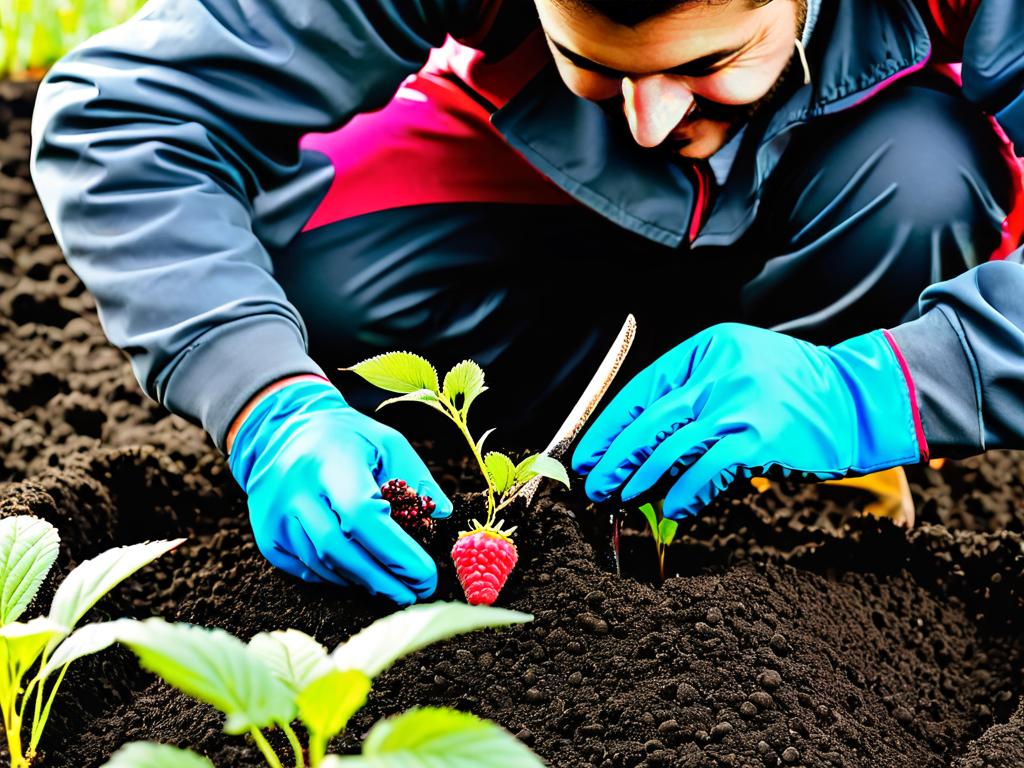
[270,414]
[889,431]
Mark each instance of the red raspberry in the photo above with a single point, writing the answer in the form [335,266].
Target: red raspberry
[484,557]
[409,510]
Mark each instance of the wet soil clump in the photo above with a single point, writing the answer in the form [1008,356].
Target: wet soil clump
[791,632]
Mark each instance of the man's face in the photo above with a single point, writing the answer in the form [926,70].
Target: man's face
[687,79]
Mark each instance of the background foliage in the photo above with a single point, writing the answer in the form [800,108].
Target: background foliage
[35,33]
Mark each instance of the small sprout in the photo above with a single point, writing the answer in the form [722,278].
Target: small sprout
[414,379]
[282,676]
[663,531]
[28,549]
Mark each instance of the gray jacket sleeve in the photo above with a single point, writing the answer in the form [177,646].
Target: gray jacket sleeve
[151,142]
[966,357]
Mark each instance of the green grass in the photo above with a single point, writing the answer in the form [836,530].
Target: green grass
[35,33]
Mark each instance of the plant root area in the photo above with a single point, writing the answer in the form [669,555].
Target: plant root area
[791,631]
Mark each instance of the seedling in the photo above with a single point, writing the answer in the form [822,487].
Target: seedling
[28,549]
[663,531]
[279,677]
[486,551]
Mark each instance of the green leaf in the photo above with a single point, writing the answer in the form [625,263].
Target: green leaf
[94,578]
[144,754]
[327,704]
[543,465]
[28,549]
[432,737]
[652,521]
[214,667]
[501,470]
[377,647]
[466,379]
[667,530]
[419,396]
[295,658]
[22,643]
[90,639]
[401,372]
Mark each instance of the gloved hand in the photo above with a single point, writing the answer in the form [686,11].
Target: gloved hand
[313,468]
[737,401]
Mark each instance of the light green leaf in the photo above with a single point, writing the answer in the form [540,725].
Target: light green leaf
[483,437]
[377,647]
[214,667]
[327,704]
[28,549]
[466,379]
[419,396]
[432,737]
[295,658]
[144,754]
[400,372]
[652,521]
[501,470]
[90,639]
[545,466]
[667,529]
[22,643]
[94,578]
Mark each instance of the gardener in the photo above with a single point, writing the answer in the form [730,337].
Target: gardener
[504,181]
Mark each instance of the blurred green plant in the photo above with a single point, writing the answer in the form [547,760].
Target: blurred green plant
[35,33]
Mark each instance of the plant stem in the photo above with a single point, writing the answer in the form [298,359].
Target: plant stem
[317,749]
[265,748]
[300,761]
[460,422]
[40,719]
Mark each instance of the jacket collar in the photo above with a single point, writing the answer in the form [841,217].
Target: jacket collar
[859,48]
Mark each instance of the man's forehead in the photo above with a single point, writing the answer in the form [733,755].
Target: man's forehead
[661,43]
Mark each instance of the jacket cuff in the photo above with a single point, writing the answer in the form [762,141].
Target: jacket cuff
[216,376]
[940,370]
[922,440]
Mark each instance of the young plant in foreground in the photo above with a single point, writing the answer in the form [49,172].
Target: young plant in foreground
[282,676]
[28,549]
[663,531]
[485,554]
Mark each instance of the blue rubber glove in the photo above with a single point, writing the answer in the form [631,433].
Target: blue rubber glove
[736,401]
[313,467]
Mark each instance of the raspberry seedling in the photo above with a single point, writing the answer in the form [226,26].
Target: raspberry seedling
[415,380]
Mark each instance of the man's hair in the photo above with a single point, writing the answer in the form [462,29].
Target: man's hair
[631,12]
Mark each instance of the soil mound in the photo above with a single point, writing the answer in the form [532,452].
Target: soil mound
[792,631]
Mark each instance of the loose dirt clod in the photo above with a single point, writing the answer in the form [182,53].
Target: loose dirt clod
[834,628]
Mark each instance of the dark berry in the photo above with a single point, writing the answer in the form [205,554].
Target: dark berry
[408,509]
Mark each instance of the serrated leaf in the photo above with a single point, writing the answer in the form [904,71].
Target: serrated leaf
[401,372]
[501,470]
[295,658]
[377,647]
[28,549]
[214,667]
[90,639]
[328,703]
[543,465]
[144,754]
[483,437]
[22,643]
[432,737]
[667,530]
[465,379]
[652,520]
[94,578]
[419,396]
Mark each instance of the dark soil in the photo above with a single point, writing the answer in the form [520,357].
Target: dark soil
[793,632]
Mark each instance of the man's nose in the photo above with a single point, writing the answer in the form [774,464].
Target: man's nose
[654,106]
